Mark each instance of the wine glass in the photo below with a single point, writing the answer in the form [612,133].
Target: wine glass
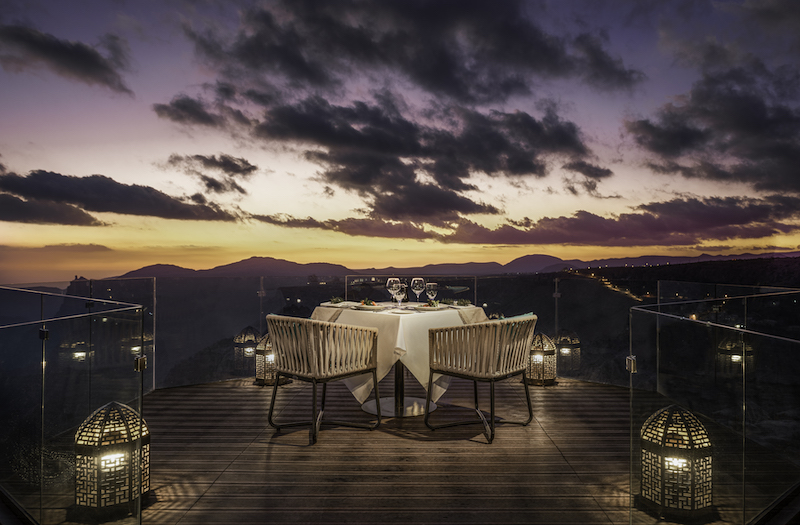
[401,292]
[392,286]
[417,286]
[431,289]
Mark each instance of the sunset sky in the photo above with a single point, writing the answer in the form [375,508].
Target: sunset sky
[393,133]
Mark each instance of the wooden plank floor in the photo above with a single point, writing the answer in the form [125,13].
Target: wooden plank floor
[215,460]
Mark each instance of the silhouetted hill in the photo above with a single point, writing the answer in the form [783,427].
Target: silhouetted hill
[489,268]
[539,264]
[255,266]
[252,267]
[528,264]
[162,270]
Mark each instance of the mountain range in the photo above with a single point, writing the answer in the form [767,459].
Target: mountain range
[536,263]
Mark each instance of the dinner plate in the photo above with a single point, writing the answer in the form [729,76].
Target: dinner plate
[423,308]
[342,304]
[369,307]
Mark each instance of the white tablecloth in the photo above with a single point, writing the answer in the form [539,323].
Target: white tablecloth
[401,336]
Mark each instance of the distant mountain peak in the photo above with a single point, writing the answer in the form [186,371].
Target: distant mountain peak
[535,263]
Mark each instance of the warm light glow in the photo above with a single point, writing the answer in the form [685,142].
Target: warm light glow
[79,356]
[538,358]
[565,351]
[736,358]
[675,463]
[270,358]
[249,351]
[111,460]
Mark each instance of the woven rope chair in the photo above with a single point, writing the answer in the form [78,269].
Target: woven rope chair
[320,352]
[488,352]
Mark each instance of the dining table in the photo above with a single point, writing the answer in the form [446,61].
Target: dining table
[402,344]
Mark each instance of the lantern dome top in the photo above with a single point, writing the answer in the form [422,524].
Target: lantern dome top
[542,343]
[111,424]
[247,335]
[264,342]
[567,337]
[675,427]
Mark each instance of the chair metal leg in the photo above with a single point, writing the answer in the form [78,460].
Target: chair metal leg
[428,402]
[489,424]
[528,399]
[317,415]
[350,423]
[272,402]
[490,437]
[377,399]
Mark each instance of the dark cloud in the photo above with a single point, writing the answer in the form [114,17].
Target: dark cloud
[22,48]
[228,166]
[351,226]
[679,222]
[737,124]
[773,16]
[588,170]
[189,111]
[373,150]
[297,65]
[97,193]
[469,51]
[602,71]
[35,211]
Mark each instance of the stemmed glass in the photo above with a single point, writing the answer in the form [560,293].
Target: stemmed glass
[401,292]
[417,286]
[431,289]
[393,286]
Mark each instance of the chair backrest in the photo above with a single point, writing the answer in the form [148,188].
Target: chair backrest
[319,349]
[486,350]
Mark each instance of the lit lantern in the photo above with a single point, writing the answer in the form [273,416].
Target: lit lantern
[244,347]
[109,469]
[676,465]
[734,355]
[265,363]
[569,351]
[542,364]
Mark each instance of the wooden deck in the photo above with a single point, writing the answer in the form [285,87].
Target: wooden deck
[215,460]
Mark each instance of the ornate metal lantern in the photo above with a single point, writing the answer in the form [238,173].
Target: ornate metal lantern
[265,363]
[244,348]
[109,468]
[734,356]
[569,351]
[676,464]
[543,362]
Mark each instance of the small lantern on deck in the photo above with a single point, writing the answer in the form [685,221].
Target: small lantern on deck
[568,350]
[109,467]
[734,355]
[265,363]
[676,465]
[244,347]
[543,362]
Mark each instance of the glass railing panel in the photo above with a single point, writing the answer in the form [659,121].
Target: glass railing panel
[738,385]
[56,373]
[20,414]
[198,318]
